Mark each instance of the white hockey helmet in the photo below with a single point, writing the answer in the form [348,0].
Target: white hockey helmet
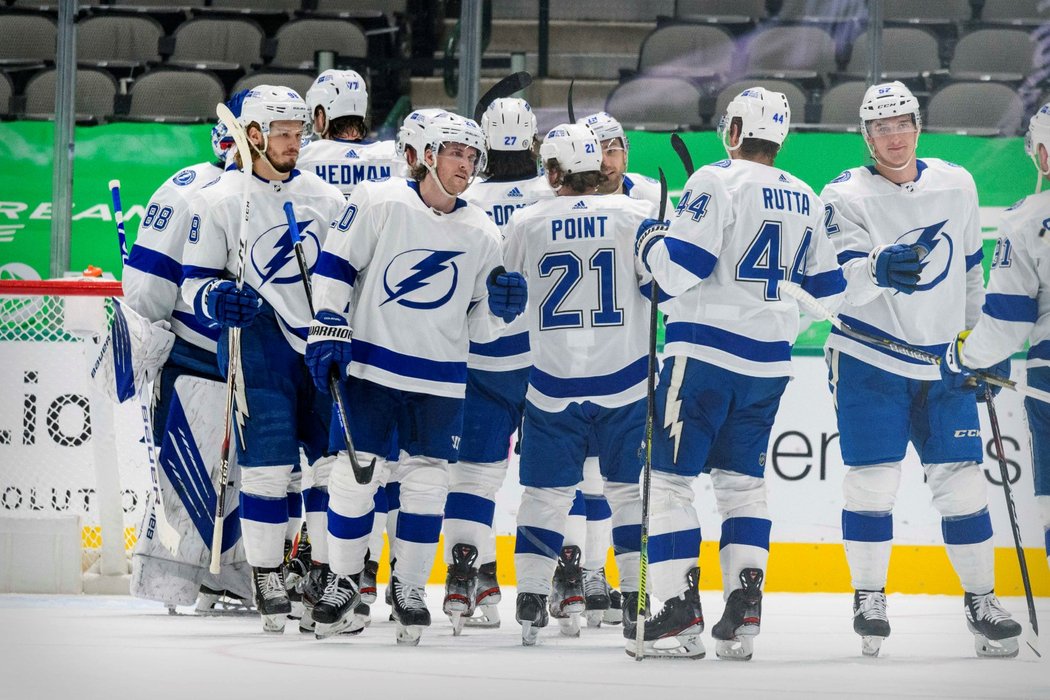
[605,127]
[888,100]
[509,125]
[575,148]
[452,128]
[1038,133]
[339,93]
[410,133]
[273,103]
[763,114]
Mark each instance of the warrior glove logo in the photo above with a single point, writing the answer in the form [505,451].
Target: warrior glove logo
[273,255]
[421,278]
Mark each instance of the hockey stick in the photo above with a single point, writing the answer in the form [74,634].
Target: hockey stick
[647,467]
[683,154]
[240,140]
[568,101]
[515,82]
[821,312]
[167,535]
[363,475]
[1031,639]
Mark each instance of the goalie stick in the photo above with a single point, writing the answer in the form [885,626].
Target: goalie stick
[515,82]
[363,475]
[240,140]
[821,312]
[167,535]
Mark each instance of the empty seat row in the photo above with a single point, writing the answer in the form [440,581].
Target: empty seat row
[1002,11]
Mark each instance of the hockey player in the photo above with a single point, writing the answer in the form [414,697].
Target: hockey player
[907,231]
[741,227]
[415,271]
[587,333]
[276,408]
[497,375]
[1017,307]
[615,148]
[344,155]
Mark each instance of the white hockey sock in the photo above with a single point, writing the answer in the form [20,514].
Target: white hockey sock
[264,513]
[968,540]
[471,507]
[350,516]
[541,524]
[576,524]
[375,539]
[599,530]
[674,534]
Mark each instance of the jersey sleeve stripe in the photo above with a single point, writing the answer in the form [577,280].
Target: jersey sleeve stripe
[334,267]
[192,272]
[937,349]
[408,366]
[506,346]
[727,341]
[690,256]
[1012,307]
[847,255]
[825,284]
[157,264]
[974,259]
[191,322]
[647,292]
[606,385]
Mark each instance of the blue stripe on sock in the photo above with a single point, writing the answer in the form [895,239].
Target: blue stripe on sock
[750,531]
[536,540]
[968,529]
[470,507]
[380,501]
[295,505]
[393,495]
[867,527]
[683,544]
[316,500]
[264,510]
[348,528]
[579,505]
[597,507]
[626,539]
[421,529]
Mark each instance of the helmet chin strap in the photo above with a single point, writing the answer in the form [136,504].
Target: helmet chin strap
[911,160]
[725,142]
[437,180]
[1039,169]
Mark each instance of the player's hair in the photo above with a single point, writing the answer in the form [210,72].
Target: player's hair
[256,154]
[754,149]
[350,126]
[580,183]
[511,165]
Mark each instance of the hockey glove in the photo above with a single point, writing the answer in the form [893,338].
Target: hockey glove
[960,377]
[896,266]
[231,307]
[508,293]
[649,232]
[328,347]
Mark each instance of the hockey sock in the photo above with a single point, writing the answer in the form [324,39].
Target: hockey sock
[868,538]
[968,540]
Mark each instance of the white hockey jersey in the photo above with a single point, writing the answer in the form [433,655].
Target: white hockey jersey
[644,187]
[153,272]
[741,228]
[939,211]
[1017,301]
[412,283]
[500,200]
[347,163]
[271,268]
[588,304]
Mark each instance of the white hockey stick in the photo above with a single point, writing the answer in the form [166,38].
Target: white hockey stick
[233,371]
[167,535]
[820,312]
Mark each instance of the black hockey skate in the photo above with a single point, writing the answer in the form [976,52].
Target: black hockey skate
[461,585]
[368,582]
[596,596]
[296,566]
[531,611]
[271,598]
[614,615]
[409,611]
[486,599]
[314,586]
[735,633]
[334,613]
[674,632]
[567,601]
[212,602]
[870,621]
[995,633]
[629,611]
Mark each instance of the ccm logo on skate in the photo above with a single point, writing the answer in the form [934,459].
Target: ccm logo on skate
[967,433]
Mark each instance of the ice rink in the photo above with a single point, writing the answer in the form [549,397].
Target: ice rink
[118,647]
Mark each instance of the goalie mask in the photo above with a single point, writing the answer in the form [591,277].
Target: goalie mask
[339,93]
[605,127]
[763,114]
[265,104]
[509,125]
[411,131]
[451,128]
[1038,134]
[221,142]
[574,147]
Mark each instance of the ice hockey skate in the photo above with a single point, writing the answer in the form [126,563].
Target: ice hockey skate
[596,596]
[870,621]
[215,603]
[368,582]
[313,590]
[271,598]
[567,601]
[629,612]
[735,633]
[486,599]
[674,632]
[334,613]
[296,566]
[461,585]
[409,610]
[614,615]
[995,633]
[531,612]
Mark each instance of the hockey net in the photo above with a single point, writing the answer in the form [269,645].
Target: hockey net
[64,448]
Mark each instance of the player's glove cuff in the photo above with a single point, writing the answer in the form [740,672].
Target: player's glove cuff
[328,325]
[648,234]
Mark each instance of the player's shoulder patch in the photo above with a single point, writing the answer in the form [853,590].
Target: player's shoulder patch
[184,177]
[209,184]
[1017,204]
[722,163]
[650,180]
[846,175]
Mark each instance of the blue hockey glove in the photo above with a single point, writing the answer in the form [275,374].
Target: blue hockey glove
[328,347]
[896,266]
[960,377]
[648,233]
[508,293]
[230,307]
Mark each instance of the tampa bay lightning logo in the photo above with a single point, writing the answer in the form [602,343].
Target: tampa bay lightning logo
[421,278]
[273,256]
[184,177]
[937,258]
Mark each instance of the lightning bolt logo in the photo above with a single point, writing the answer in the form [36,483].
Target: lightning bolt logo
[423,273]
[281,253]
[673,407]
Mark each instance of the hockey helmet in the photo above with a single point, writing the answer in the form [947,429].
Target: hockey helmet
[339,93]
[605,127]
[1038,132]
[265,104]
[575,148]
[509,125]
[888,100]
[410,133]
[452,128]
[221,141]
[763,114]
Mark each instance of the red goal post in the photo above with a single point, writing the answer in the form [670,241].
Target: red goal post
[64,448]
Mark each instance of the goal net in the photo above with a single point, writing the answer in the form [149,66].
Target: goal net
[64,448]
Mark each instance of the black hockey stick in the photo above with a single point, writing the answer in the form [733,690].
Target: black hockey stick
[647,467]
[683,154]
[1032,639]
[363,475]
[515,82]
[568,103]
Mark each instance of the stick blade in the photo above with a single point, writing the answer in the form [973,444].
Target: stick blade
[515,82]
[663,194]
[805,300]
[236,130]
[683,154]
[568,101]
